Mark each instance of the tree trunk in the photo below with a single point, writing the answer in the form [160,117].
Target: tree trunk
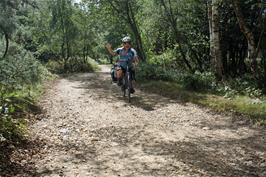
[84,45]
[264,73]
[252,54]
[215,47]
[263,54]
[133,24]
[210,25]
[173,24]
[7,44]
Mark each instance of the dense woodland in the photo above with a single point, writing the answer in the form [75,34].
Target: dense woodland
[204,45]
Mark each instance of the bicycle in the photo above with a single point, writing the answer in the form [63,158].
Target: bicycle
[124,82]
[127,84]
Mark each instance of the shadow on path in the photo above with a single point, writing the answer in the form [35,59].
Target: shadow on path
[15,158]
[100,86]
[139,153]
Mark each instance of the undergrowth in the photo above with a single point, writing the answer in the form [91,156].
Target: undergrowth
[238,95]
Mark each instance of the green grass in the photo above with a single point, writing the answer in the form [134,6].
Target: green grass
[248,107]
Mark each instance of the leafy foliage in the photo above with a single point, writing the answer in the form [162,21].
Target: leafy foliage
[73,66]
[20,72]
[200,81]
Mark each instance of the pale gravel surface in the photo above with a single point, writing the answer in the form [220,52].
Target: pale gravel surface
[90,130]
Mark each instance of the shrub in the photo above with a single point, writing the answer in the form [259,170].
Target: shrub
[166,59]
[19,73]
[73,65]
[243,86]
[12,129]
[155,72]
[196,81]
[200,81]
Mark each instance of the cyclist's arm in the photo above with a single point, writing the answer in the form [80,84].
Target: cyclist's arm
[135,58]
[110,50]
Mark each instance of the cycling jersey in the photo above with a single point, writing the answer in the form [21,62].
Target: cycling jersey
[125,57]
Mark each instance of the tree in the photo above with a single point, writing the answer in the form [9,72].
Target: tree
[215,47]
[172,19]
[252,46]
[126,10]
[7,20]
[62,24]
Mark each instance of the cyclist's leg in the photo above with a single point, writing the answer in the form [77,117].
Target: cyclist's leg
[120,80]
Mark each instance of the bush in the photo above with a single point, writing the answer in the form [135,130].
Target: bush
[20,72]
[200,81]
[12,129]
[155,72]
[196,81]
[73,65]
[166,59]
[243,86]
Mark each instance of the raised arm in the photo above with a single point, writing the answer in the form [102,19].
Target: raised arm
[110,50]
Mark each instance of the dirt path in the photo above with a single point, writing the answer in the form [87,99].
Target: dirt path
[90,130]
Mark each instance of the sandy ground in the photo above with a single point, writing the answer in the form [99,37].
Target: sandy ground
[89,129]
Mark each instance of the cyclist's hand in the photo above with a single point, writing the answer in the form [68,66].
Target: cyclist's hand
[135,64]
[136,61]
[108,46]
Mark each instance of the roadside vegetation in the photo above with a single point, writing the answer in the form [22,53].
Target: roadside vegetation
[240,96]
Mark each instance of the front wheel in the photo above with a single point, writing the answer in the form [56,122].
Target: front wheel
[124,91]
[123,87]
[129,87]
[129,95]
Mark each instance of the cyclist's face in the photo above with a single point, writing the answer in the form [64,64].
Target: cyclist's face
[126,45]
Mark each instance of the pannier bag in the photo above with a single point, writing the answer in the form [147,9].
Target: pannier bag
[113,74]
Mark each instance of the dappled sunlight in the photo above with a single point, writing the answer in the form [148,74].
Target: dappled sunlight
[90,129]
[102,88]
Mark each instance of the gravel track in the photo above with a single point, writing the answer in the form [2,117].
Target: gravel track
[89,129]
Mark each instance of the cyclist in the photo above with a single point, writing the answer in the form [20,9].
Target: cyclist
[126,55]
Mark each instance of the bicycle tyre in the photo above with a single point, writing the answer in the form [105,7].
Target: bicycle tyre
[124,87]
[128,87]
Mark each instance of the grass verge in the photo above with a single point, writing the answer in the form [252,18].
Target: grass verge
[253,109]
